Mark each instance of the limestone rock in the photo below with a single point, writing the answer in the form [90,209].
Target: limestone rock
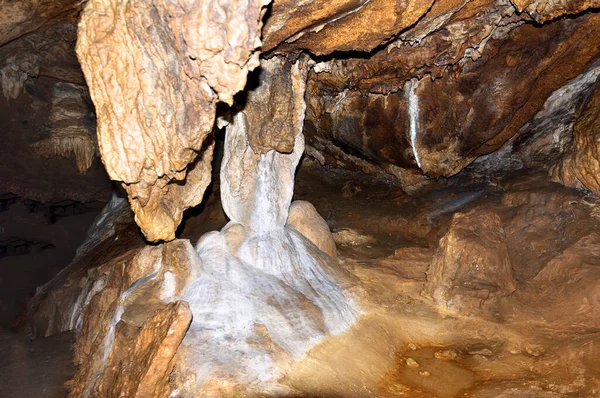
[156,71]
[472,264]
[304,218]
[543,223]
[323,27]
[21,17]
[132,322]
[48,51]
[545,10]
[275,102]
[73,126]
[580,167]
[366,108]
[352,237]
[409,262]
[567,290]
[142,360]
[266,294]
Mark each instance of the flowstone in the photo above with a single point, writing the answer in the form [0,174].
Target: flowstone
[266,294]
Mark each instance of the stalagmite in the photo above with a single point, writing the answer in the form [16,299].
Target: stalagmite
[256,295]
[266,294]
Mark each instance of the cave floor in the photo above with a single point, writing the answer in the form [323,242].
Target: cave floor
[542,340]
[35,369]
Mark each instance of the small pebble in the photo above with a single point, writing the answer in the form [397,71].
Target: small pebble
[534,350]
[446,353]
[412,346]
[412,363]
[424,373]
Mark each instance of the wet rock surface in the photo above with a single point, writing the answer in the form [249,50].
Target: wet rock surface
[363,107]
[579,168]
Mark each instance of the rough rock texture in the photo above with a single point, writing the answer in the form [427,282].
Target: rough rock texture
[568,288]
[260,293]
[21,17]
[142,358]
[266,294]
[472,264]
[580,167]
[543,222]
[545,10]
[417,90]
[155,91]
[305,219]
[540,341]
[273,106]
[323,27]
[72,124]
[366,108]
[45,109]
[48,51]
[543,141]
[131,324]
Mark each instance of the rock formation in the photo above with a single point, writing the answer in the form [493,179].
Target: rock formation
[155,91]
[266,293]
[580,167]
[72,127]
[233,314]
[472,264]
[467,105]
[449,148]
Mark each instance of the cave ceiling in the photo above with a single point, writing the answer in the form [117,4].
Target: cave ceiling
[412,90]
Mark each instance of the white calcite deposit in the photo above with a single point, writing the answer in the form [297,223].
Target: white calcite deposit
[265,294]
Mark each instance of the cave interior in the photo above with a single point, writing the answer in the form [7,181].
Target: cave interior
[343,198]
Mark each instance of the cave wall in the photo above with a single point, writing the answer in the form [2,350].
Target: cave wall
[436,86]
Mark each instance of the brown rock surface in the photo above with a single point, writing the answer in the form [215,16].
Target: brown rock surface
[545,10]
[541,221]
[322,27]
[277,100]
[469,110]
[580,167]
[21,17]
[132,325]
[304,218]
[567,290]
[472,264]
[142,360]
[155,92]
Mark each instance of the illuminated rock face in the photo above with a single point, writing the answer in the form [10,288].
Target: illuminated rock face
[156,70]
[234,313]
[266,294]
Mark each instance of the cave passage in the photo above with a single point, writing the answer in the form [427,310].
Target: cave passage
[319,199]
